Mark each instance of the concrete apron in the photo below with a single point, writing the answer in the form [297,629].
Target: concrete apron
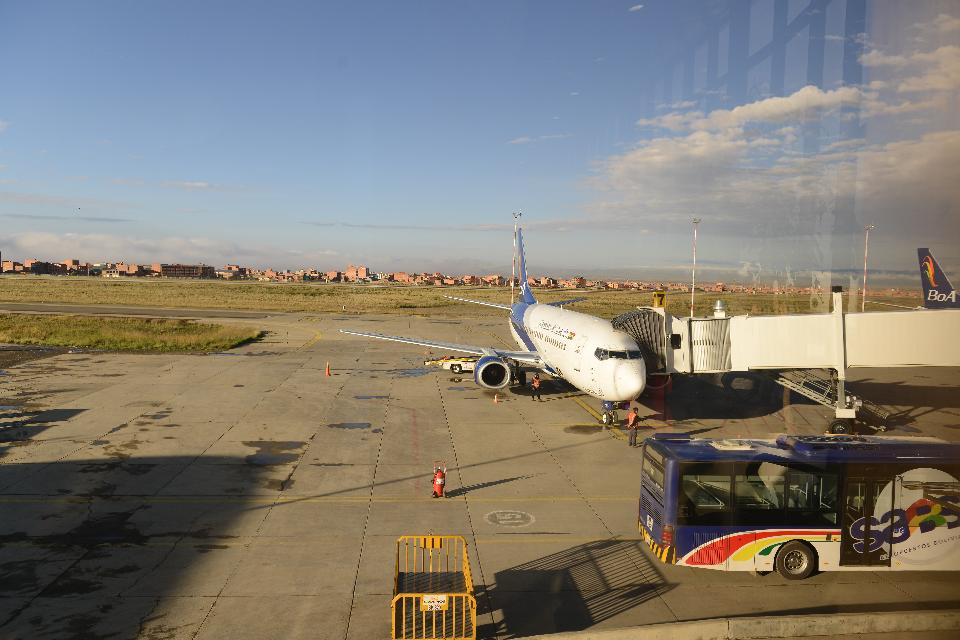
[829,625]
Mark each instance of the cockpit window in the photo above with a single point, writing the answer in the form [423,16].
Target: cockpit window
[632,354]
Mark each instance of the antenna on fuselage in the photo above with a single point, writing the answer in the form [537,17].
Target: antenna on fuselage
[513,276]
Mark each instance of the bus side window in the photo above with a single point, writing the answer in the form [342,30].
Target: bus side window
[705,495]
[813,495]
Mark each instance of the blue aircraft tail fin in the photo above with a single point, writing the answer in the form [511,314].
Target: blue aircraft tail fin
[525,294]
[938,293]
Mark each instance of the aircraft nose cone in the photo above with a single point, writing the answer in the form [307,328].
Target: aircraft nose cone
[630,379]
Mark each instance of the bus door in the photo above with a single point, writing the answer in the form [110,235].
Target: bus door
[864,539]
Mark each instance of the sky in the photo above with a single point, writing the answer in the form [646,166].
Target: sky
[403,135]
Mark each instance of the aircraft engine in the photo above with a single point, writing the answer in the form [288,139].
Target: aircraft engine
[491,372]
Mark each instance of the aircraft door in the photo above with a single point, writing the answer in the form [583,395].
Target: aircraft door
[865,525]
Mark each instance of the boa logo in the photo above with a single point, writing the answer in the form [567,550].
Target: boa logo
[923,516]
[927,267]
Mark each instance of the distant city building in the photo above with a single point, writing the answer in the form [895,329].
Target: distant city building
[186,271]
[11,266]
[356,273]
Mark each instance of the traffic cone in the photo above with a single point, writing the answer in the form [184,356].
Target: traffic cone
[496,398]
[328,369]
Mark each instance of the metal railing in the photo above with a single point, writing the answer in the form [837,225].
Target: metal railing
[433,590]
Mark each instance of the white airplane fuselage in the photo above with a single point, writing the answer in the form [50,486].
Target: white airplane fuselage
[584,350]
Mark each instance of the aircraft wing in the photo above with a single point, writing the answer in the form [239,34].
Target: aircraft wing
[495,305]
[528,357]
[561,303]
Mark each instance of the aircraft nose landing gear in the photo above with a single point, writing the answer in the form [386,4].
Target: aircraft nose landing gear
[608,412]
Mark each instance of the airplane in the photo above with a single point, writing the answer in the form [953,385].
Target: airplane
[938,293]
[584,350]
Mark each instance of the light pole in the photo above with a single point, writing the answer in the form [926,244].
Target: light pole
[866,249]
[693,277]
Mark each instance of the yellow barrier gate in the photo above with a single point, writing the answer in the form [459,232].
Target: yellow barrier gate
[433,590]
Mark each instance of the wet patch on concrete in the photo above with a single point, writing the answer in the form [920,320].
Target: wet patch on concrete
[413,373]
[271,452]
[207,548]
[350,425]
[584,429]
[458,389]
[371,397]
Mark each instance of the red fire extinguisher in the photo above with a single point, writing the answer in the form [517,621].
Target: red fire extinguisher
[439,478]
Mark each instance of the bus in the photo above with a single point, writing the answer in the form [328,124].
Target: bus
[800,504]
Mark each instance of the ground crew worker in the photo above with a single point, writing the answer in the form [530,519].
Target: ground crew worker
[439,479]
[633,425]
[535,385]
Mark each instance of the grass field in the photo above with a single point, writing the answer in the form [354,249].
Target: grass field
[331,298]
[121,334]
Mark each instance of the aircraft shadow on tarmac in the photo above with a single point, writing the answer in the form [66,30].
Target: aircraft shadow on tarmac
[570,590]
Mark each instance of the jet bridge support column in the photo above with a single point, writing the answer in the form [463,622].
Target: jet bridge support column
[842,411]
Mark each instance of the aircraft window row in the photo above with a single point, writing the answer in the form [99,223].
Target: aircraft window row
[559,344]
[631,354]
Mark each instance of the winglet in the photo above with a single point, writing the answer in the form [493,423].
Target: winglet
[525,294]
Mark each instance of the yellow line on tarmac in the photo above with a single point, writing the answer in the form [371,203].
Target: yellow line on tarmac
[615,430]
[587,408]
[309,343]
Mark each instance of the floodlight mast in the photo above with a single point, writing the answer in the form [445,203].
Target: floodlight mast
[866,249]
[693,277]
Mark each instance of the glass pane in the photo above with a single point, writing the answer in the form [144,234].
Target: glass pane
[817,493]
[706,493]
[761,488]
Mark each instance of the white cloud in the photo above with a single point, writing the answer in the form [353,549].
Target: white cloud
[190,185]
[806,103]
[531,139]
[635,8]
[574,93]
[68,202]
[942,24]
[4,125]
[189,249]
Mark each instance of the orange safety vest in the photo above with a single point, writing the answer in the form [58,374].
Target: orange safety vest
[536,383]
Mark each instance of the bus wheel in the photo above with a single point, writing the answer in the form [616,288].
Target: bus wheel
[455,368]
[841,426]
[796,561]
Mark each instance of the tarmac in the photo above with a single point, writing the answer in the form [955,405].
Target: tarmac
[248,495]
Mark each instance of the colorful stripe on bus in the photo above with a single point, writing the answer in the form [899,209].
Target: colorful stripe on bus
[744,546]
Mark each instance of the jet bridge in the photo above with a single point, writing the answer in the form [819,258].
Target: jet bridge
[792,347]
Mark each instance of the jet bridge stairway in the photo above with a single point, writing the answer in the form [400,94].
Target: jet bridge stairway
[814,385]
